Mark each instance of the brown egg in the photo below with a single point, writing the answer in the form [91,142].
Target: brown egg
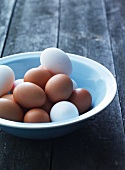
[82,99]
[8,96]
[37,76]
[10,110]
[16,83]
[59,87]
[43,67]
[36,115]
[47,106]
[29,95]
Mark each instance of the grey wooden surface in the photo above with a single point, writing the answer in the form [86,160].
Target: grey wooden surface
[94,29]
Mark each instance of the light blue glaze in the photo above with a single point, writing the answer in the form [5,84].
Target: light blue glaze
[87,73]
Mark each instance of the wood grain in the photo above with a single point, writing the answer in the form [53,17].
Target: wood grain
[82,27]
[84,31]
[23,154]
[34,26]
[6,12]
[116,24]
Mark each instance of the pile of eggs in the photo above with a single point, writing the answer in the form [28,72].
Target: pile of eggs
[44,94]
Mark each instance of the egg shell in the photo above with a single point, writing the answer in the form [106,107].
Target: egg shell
[10,110]
[63,110]
[56,61]
[8,96]
[37,76]
[47,106]
[82,99]
[58,88]
[7,78]
[16,83]
[36,115]
[75,86]
[42,67]
[29,95]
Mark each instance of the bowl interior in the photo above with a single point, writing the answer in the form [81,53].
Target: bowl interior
[87,73]
[89,78]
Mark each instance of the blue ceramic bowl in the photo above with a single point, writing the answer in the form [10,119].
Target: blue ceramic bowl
[86,72]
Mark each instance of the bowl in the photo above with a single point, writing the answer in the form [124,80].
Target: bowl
[88,74]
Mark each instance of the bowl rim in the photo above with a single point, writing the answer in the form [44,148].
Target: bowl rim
[110,79]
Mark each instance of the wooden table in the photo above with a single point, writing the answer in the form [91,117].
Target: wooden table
[91,28]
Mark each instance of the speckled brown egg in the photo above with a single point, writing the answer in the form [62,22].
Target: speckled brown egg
[36,115]
[58,88]
[82,99]
[29,95]
[37,76]
[10,110]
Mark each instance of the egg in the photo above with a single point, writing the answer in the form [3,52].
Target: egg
[29,95]
[37,76]
[82,99]
[36,115]
[7,78]
[16,83]
[75,86]
[63,110]
[10,110]
[58,88]
[47,106]
[8,96]
[42,67]
[56,61]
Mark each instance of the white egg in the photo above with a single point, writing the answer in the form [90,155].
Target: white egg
[56,61]
[16,83]
[62,111]
[75,86]
[7,79]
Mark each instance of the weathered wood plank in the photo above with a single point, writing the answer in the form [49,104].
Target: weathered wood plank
[99,144]
[116,23]
[6,11]
[17,153]
[34,26]
[83,30]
